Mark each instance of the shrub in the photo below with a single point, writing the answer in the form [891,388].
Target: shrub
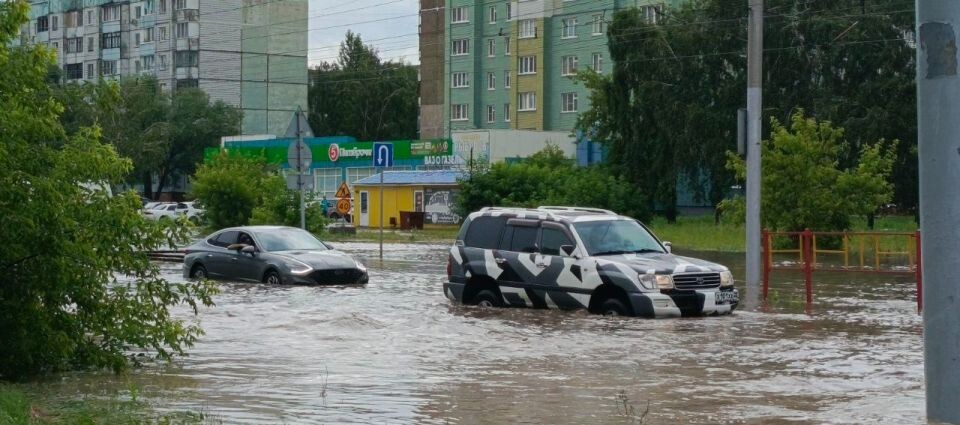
[229,187]
[282,206]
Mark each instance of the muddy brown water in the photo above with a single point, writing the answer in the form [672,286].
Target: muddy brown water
[396,351]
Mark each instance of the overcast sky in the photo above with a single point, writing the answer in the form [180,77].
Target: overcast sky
[388,25]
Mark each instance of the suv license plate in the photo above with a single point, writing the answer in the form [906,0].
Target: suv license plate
[725,297]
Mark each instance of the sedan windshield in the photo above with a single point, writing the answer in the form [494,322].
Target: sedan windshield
[611,237]
[289,240]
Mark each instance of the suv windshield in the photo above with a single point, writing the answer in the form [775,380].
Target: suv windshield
[289,240]
[610,237]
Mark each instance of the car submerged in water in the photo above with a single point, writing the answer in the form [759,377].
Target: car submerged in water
[569,257]
[271,254]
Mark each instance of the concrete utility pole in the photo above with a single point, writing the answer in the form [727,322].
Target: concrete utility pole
[938,106]
[754,123]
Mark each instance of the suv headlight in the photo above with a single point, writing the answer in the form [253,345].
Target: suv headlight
[297,266]
[360,266]
[726,279]
[656,281]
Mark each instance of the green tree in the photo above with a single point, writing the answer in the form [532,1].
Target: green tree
[229,187]
[806,186]
[362,96]
[281,206]
[79,290]
[667,109]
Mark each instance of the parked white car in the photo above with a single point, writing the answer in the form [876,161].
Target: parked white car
[172,210]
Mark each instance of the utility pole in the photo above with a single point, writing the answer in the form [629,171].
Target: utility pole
[300,171]
[754,123]
[938,105]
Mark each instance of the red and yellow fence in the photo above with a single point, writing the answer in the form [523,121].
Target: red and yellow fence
[864,252]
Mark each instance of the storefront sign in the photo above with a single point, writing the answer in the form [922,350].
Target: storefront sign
[275,151]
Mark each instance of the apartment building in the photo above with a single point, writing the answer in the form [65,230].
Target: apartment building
[251,54]
[509,64]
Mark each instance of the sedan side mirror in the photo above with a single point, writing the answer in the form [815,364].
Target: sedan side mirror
[567,249]
[669,246]
[249,249]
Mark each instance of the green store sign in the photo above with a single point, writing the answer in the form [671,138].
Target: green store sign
[334,153]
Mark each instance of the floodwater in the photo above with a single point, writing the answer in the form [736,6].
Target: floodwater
[397,351]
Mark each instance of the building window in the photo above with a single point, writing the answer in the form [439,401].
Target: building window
[597,63]
[652,13]
[568,102]
[597,24]
[569,27]
[73,71]
[186,59]
[89,71]
[179,4]
[147,62]
[506,112]
[136,39]
[136,65]
[527,65]
[509,11]
[73,19]
[43,24]
[90,17]
[569,65]
[188,83]
[491,47]
[528,28]
[527,101]
[162,32]
[90,44]
[110,13]
[459,112]
[183,30]
[138,12]
[328,181]
[493,14]
[506,79]
[163,62]
[459,15]
[461,47]
[110,40]
[491,81]
[491,114]
[108,67]
[506,46]
[56,46]
[74,45]
[460,80]
[148,35]
[163,7]
[54,23]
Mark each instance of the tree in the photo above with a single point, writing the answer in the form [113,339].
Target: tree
[281,206]
[806,186]
[363,97]
[163,135]
[229,187]
[667,109]
[79,290]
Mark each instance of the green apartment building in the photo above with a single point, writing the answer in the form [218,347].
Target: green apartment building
[508,65]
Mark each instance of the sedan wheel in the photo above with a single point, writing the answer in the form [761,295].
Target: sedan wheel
[198,272]
[271,278]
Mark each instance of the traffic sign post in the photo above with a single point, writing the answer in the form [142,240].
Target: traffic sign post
[299,157]
[382,158]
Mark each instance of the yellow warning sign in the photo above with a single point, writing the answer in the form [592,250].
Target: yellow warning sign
[343,191]
[343,206]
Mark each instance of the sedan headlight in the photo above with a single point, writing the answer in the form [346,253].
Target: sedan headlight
[726,279]
[360,266]
[297,266]
[656,281]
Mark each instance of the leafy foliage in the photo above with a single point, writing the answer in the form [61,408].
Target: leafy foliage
[362,96]
[164,135]
[229,187]
[547,178]
[667,111]
[805,186]
[79,290]
[281,206]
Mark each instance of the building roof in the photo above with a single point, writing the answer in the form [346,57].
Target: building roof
[445,177]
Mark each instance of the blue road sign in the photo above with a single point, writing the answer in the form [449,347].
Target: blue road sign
[383,154]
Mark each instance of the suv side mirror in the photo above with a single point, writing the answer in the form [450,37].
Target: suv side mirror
[567,249]
[669,246]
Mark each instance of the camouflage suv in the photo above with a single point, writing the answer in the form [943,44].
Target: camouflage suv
[566,258]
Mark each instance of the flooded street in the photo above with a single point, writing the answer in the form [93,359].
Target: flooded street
[397,351]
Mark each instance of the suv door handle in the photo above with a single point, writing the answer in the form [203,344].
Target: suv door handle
[501,260]
[542,265]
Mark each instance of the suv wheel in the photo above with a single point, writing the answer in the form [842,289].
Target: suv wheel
[614,307]
[487,298]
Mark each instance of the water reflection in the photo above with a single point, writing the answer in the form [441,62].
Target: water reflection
[396,351]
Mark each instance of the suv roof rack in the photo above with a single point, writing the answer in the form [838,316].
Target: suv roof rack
[580,209]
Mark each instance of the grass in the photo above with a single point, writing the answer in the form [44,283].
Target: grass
[699,233]
[19,408]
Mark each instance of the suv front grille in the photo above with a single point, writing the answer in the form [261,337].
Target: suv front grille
[696,280]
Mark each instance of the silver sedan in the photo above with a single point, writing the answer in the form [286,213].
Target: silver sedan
[271,254]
